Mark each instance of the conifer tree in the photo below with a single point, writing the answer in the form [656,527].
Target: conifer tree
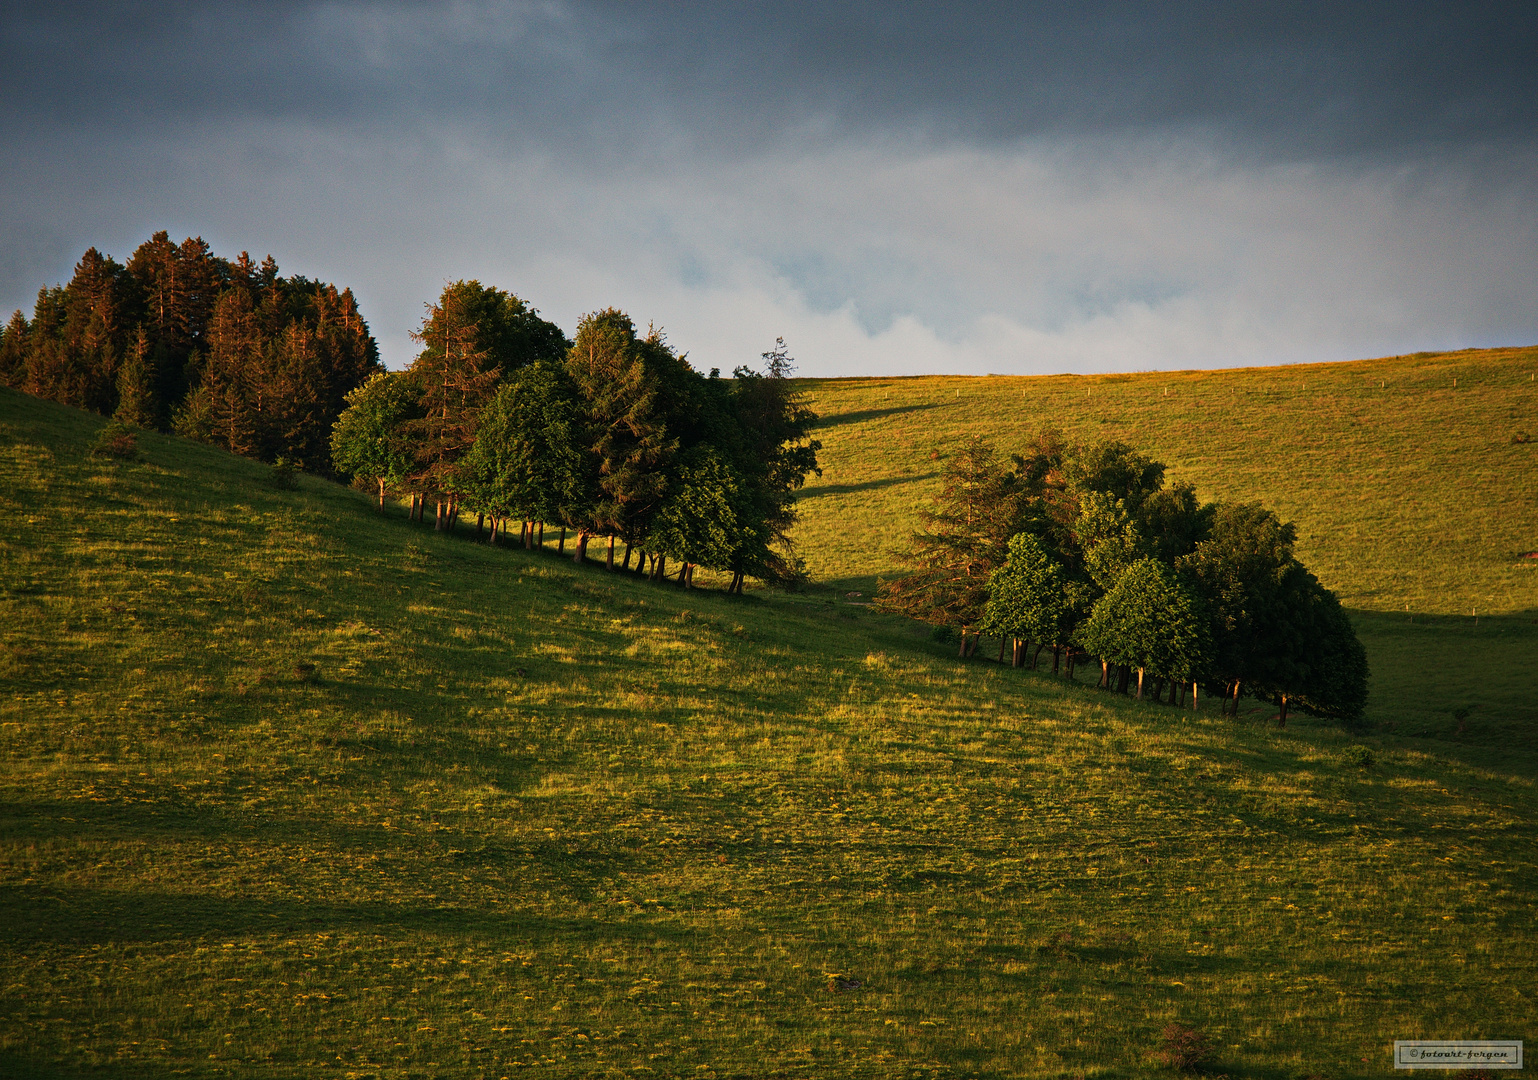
[138,401]
[13,351]
[627,383]
[453,377]
[965,538]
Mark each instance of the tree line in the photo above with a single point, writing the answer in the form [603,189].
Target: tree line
[611,435]
[1085,551]
[226,351]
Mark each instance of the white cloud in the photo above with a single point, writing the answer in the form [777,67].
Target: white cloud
[886,256]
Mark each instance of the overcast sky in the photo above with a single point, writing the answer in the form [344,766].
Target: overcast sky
[895,189]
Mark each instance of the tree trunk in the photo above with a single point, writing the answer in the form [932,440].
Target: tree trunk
[1236,699]
[1281,717]
[1036,659]
[541,541]
[480,521]
[381,496]
[660,567]
[626,564]
[608,562]
[1105,675]
[560,549]
[1123,677]
[1017,654]
[495,521]
[1158,693]
[1003,641]
[1057,655]
[582,538]
[1069,655]
[438,523]
[1140,684]
[1194,702]
[962,654]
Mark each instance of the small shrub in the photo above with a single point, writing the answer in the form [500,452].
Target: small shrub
[285,474]
[1461,714]
[1182,1047]
[117,440]
[1360,757]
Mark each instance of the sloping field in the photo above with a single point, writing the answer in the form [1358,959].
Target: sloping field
[1412,498]
[291,789]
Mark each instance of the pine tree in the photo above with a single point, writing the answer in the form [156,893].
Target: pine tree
[965,538]
[13,350]
[453,378]
[137,397]
[627,384]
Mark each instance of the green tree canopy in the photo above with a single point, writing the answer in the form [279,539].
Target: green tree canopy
[530,459]
[1150,621]
[1309,654]
[1027,596]
[368,439]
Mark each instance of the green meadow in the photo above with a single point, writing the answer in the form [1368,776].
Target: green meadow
[291,788]
[1413,500]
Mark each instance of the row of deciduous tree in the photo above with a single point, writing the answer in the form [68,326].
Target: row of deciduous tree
[226,351]
[611,435]
[1084,550]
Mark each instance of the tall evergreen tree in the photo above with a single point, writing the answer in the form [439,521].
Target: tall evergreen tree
[13,351]
[454,377]
[631,389]
[965,538]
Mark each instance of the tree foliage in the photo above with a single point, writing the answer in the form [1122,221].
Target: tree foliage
[1106,556]
[224,350]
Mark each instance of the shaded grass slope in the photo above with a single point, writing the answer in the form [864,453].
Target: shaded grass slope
[1413,498]
[289,789]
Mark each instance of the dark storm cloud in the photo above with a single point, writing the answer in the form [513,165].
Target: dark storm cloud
[1279,80]
[957,187]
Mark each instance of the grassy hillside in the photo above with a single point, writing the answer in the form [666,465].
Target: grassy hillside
[1412,499]
[290,789]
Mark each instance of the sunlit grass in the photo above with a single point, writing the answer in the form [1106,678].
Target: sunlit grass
[1410,494]
[292,789]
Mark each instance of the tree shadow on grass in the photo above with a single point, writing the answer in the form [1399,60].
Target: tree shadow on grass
[76,917]
[817,491]
[861,415]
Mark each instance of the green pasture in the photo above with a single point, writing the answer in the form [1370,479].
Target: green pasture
[1411,495]
[291,789]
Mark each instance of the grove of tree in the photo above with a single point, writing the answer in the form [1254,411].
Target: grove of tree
[222,350]
[1087,551]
